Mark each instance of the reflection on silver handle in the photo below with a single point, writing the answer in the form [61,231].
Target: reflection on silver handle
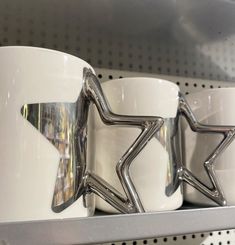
[65,126]
[149,125]
[215,193]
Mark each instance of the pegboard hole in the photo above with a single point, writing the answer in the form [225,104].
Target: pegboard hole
[5,40]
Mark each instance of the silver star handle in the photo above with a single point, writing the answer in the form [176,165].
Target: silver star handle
[149,125]
[215,193]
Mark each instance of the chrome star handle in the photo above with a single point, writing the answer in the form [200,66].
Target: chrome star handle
[149,125]
[64,125]
[215,193]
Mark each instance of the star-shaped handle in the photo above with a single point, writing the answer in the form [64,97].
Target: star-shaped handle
[215,193]
[149,125]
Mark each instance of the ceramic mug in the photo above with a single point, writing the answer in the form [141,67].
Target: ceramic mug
[153,170]
[33,173]
[47,146]
[210,107]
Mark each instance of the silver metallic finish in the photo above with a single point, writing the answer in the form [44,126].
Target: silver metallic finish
[168,136]
[65,126]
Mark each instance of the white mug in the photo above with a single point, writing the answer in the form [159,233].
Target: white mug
[151,170]
[210,107]
[29,162]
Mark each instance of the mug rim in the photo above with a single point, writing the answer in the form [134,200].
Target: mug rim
[44,49]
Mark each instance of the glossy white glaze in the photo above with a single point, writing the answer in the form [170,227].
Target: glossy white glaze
[28,162]
[137,96]
[214,107]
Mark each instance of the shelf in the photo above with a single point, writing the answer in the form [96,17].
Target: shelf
[100,229]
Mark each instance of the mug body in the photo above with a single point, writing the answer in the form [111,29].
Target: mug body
[211,107]
[153,170]
[38,88]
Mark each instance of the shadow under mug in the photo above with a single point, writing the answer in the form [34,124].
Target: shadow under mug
[158,171]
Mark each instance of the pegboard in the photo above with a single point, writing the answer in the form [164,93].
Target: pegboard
[208,238]
[83,28]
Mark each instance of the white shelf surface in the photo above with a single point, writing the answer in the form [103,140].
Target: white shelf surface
[107,228]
